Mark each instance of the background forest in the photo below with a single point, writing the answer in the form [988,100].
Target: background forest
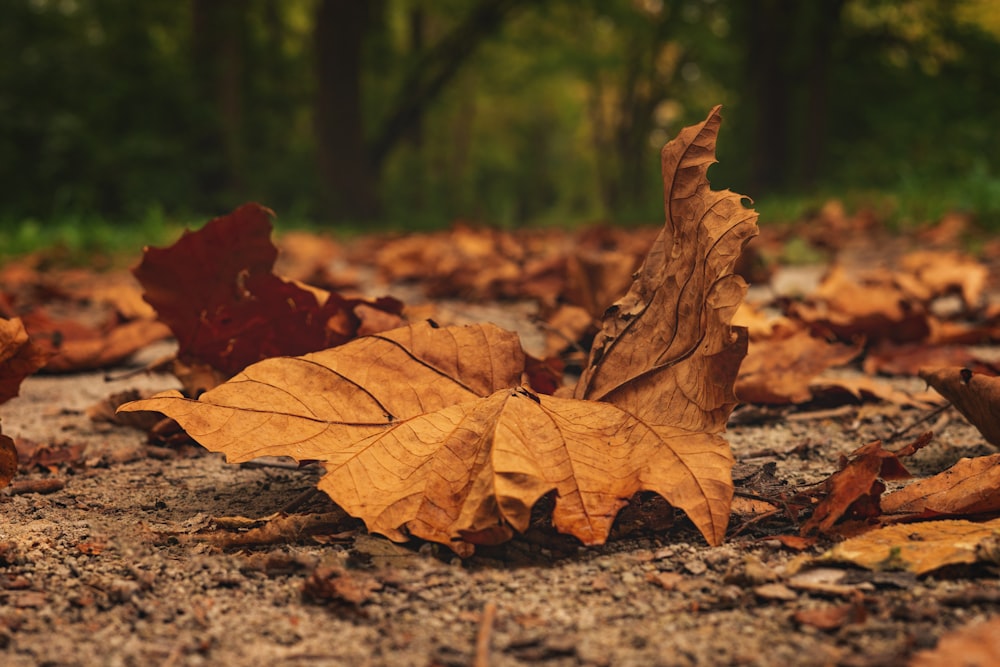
[412,113]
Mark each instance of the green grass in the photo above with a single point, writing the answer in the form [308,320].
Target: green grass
[912,203]
[92,240]
[82,240]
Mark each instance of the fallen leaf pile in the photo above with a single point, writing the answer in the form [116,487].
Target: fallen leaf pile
[76,319]
[427,430]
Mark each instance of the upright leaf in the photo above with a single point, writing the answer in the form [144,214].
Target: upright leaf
[667,352]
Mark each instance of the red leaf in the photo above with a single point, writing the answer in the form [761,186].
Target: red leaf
[216,291]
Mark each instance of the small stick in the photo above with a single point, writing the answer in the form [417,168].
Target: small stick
[300,500]
[484,635]
[895,435]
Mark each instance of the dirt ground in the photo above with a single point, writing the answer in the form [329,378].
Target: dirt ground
[137,560]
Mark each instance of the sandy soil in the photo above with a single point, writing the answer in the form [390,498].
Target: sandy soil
[137,560]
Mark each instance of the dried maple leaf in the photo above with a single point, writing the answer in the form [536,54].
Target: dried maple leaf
[216,291]
[976,396]
[426,431]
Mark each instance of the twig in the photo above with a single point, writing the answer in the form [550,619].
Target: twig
[895,435]
[484,635]
[300,500]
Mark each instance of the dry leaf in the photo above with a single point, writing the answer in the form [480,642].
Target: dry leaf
[921,547]
[19,357]
[833,617]
[595,278]
[565,328]
[75,347]
[779,370]
[974,645]
[909,359]
[216,291]
[943,273]
[872,306]
[858,389]
[976,396]
[971,486]
[425,431]
[334,584]
[8,460]
[854,490]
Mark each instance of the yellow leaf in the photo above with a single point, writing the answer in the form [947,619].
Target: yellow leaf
[919,547]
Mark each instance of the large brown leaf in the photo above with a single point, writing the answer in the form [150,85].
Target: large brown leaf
[426,431]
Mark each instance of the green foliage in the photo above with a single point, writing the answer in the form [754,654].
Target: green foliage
[111,110]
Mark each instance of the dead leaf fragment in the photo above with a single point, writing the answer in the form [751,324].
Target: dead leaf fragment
[779,370]
[8,460]
[976,396]
[971,486]
[873,306]
[854,490]
[75,347]
[919,548]
[334,584]
[19,357]
[974,645]
[833,617]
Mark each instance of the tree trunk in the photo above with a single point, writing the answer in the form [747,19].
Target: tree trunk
[351,167]
[350,178]
[437,66]
[825,29]
[219,33]
[770,32]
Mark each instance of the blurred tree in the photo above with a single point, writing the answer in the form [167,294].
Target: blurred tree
[788,48]
[351,155]
[219,37]
[435,109]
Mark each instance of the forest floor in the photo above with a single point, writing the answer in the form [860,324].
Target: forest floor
[140,555]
